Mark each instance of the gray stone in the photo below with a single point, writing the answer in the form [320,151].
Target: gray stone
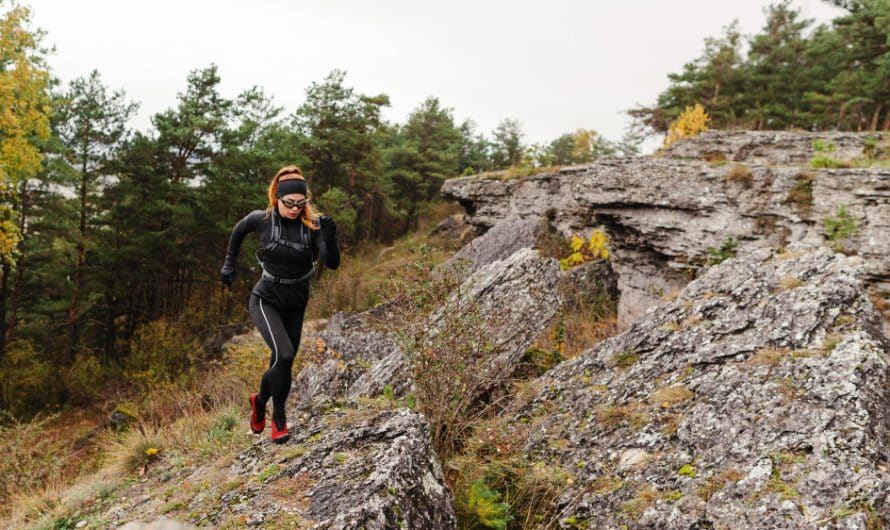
[762,391]
[517,295]
[664,215]
[770,147]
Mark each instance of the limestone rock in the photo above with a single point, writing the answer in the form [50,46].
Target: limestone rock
[497,243]
[664,216]
[771,147]
[374,473]
[517,295]
[755,399]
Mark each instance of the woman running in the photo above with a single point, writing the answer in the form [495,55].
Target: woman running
[291,241]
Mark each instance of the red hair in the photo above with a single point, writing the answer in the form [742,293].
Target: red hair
[288,173]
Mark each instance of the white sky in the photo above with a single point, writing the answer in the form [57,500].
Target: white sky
[556,66]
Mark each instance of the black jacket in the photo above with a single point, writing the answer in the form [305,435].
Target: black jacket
[283,261]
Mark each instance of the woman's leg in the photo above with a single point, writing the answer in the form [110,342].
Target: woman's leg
[277,379]
[293,325]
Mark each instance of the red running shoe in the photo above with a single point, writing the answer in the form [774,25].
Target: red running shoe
[256,425]
[279,431]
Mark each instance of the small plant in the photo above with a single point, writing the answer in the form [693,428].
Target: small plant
[135,450]
[269,471]
[625,359]
[839,227]
[484,503]
[768,356]
[691,122]
[801,194]
[727,250]
[687,470]
[645,497]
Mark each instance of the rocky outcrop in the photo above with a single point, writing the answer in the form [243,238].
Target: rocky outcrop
[343,469]
[666,218]
[359,358]
[774,147]
[756,399]
[498,243]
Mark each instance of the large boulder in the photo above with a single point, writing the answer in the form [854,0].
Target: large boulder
[358,357]
[755,399]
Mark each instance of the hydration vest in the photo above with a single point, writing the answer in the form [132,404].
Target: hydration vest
[275,240]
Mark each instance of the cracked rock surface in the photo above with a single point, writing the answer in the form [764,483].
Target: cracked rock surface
[664,215]
[755,399]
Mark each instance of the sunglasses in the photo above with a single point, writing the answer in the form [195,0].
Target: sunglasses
[295,204]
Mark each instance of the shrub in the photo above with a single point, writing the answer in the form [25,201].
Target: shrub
[83,379]
[446,340]
[582,250]
[28,381]
[484,503]
[158,354]
[691,122]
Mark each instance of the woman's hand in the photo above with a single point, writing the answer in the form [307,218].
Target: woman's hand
[227,275]
[328,228]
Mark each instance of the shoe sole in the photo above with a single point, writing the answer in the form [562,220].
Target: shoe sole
[253,414]
[281,439]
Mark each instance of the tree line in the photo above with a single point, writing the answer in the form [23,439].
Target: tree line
[788,75]
[106,232]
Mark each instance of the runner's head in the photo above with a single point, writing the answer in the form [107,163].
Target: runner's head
[287,192]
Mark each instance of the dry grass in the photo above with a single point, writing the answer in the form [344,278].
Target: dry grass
[790,254]
[611,416]
[670,396]
[768,356]
[740,175]
[625,359]
[789,281]
[134,451]
[717,481]
[645,497]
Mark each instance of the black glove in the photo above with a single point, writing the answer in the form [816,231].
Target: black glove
[328,228]
[227,275]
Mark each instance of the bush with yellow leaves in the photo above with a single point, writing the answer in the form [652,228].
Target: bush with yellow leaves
[583,250]
[691,122]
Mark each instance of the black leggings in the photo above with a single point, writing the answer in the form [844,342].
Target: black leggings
[281,330]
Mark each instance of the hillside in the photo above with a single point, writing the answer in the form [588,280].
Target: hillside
[746,387]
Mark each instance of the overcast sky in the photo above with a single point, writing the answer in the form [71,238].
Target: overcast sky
[555,66]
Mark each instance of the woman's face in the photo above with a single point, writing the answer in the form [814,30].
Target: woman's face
[291,212]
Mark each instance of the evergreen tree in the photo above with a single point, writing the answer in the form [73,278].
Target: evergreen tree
[92,128]
[507,148]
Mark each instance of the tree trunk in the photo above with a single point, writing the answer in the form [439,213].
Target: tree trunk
[73,328]
[875,117]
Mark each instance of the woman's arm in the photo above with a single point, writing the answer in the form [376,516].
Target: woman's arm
[250,223]
[327,243]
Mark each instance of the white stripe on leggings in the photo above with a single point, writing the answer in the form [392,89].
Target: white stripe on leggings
[271,334]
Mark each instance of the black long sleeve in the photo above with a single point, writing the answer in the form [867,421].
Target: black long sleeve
[250,223]
[329,252]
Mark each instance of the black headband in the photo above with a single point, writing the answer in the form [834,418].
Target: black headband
[286,187]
